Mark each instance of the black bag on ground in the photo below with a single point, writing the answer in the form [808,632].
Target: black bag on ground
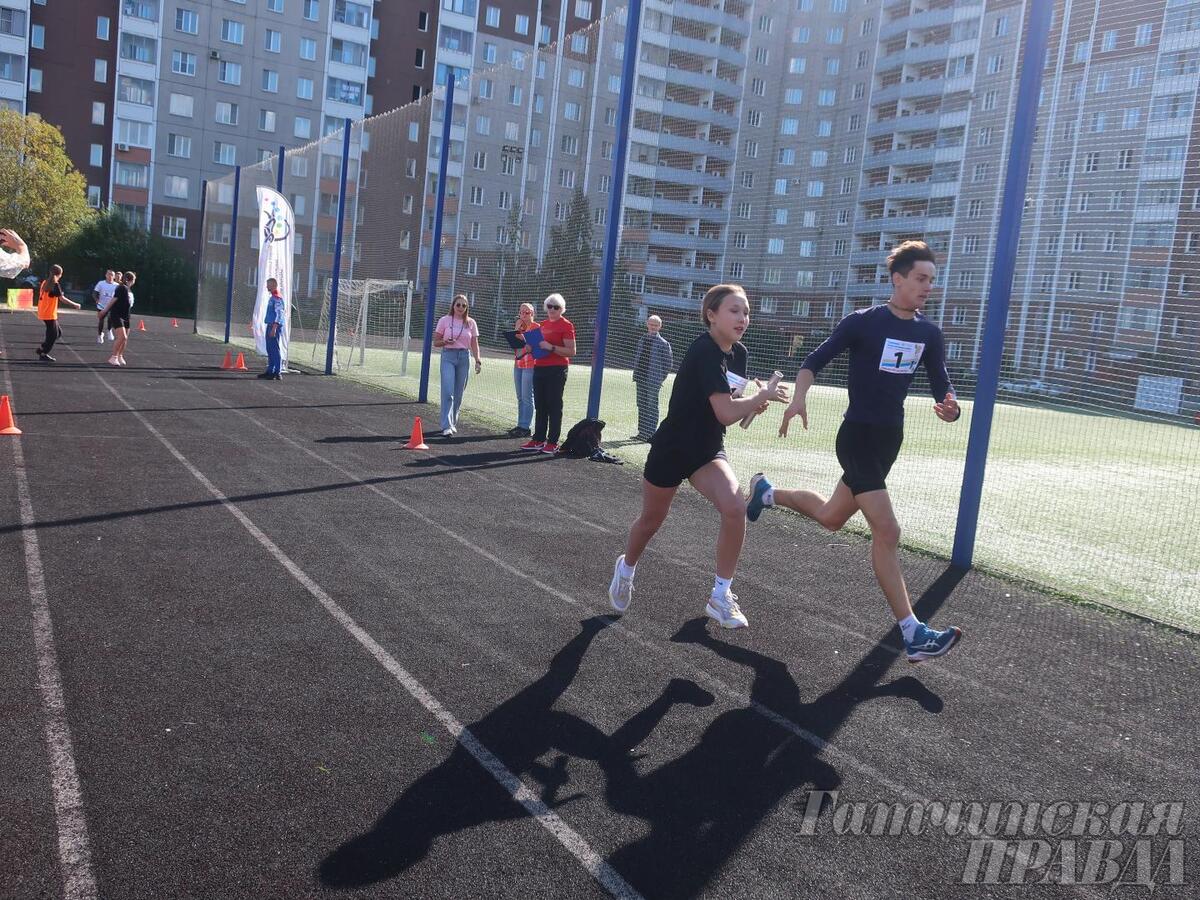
[583,442]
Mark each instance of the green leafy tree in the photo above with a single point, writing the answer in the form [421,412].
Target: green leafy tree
[166,280]
[569,268]
[42,196]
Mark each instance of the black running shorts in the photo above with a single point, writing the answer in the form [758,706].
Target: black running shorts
[667,467]
[866,453]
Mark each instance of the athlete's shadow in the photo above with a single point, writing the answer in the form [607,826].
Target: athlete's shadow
[704,804]
[460,793]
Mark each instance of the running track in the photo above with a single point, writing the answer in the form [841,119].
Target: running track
[250,648]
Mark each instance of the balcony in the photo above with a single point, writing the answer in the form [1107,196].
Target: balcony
[916,55]
[689,240]
[907,90]
[930,18]
[699,146]
[925,122]
[687,210]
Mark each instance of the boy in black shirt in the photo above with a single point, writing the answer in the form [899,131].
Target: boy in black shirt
[690,444]
[885,346]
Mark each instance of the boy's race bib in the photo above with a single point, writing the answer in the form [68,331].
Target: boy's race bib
[900,357]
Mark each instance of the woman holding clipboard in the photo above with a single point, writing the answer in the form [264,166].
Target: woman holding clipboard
[552,344]
[522,372]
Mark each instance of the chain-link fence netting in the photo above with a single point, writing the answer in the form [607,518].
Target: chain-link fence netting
[789,148]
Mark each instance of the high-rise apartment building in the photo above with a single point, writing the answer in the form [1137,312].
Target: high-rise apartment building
[155,97]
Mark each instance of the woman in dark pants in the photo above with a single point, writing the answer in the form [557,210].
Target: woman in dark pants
[550,376]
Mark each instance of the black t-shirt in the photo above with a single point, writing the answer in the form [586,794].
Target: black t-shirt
[120,303]
[691,427]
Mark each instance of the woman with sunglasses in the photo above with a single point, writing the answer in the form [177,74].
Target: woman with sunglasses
[457,335]
[550,376]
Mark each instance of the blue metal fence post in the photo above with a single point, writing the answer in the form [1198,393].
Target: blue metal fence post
[616,199]
[200,259]
[337,250]
[237,183]
[1008,232]
[436,261]
[279,170]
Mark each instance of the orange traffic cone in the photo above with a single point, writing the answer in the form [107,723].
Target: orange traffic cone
[174,323]
[417,440]
[227,362]
[240,365]
[7,425]
[141,324]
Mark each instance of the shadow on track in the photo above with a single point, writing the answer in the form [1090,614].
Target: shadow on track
[699,807]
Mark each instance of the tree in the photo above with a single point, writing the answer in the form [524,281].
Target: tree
[570,268]
[42,196]
[166,280]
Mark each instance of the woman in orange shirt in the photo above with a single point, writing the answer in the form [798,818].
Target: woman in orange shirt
[49,294]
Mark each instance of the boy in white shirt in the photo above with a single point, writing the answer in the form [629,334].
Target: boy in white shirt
[103,294]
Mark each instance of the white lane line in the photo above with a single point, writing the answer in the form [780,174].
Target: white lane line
[570,839]
[74,848]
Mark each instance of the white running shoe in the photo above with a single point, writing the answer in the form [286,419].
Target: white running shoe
[725,611]
[121,360]
[620,590]
[447,432]
[113,361]
[100,338]
[110,335]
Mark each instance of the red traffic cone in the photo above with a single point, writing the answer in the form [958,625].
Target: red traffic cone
[240,365]
[417,440]
[227,362]
[174,323]
[7,425]
[141,324]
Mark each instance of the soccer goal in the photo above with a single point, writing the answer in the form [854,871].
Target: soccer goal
[373,314]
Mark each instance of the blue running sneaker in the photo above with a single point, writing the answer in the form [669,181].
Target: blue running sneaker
[928,643]
[758,488]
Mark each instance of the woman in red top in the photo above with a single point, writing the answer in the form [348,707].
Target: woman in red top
[523,376]
[550,376]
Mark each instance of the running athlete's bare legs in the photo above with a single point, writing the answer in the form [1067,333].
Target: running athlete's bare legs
[656,503]
[830,514]
[716,481]
[885,544]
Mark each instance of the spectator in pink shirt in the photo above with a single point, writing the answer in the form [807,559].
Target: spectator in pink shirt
[457,335]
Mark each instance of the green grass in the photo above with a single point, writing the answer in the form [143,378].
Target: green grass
[1101,508]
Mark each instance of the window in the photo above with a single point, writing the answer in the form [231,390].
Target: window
[1131,118]
[308,49]
[827,97]
[102,24]
[971,243]
[225,154]
[312,10]
[479,162]
[179,145]
[174,227]
[180,105]
[1145,32]
[816,189]
[347,13]
[37,37]
[1106,282]
[132,175]
[302,127]
[93,196]
[99,73]
[232,32]
[980,172]
[492,17]
[796,65]
[175,186]
[96,155]
[229,72]
[270,81]
[476,195]
[1092,162]
[187,21]
[304,88]
[227,113]
[989,100]
[483,125]
[579,43]
[984,137]
[266,120]
[521,26]
[354,54]
[182,63]
[138,48]
[272,41]
[995,64]
[135,90]
[571,111]
[275,6]
[344,91]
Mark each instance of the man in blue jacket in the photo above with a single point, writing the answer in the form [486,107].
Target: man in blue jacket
[651,363]
[885,345]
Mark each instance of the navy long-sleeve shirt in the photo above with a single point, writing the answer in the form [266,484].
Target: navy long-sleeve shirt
[884,352]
